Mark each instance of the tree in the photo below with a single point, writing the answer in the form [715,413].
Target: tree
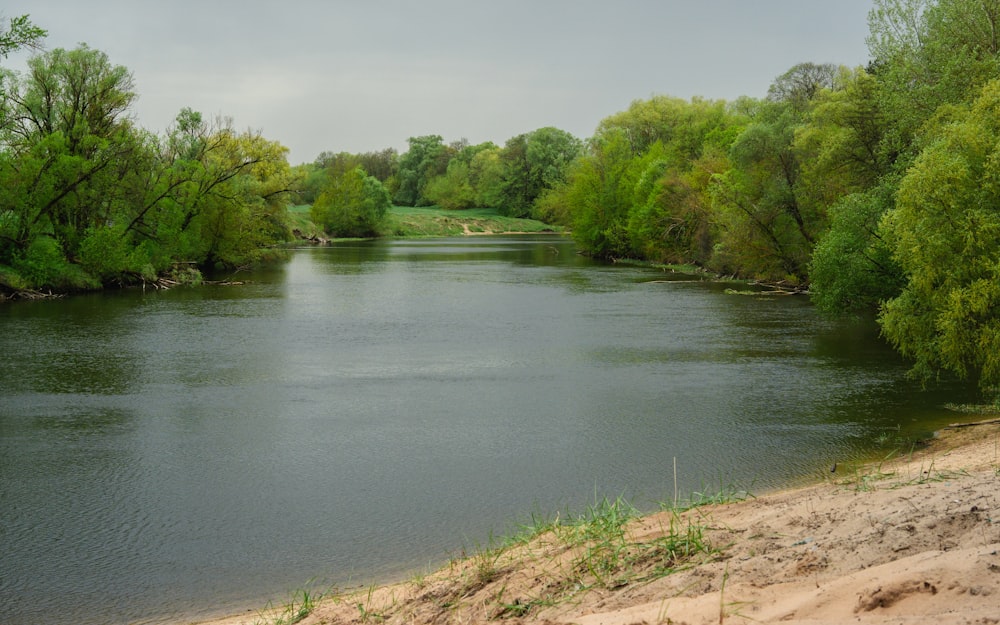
[842,139]
[928,54]
[802,83]
[70,144]
[682,125]
[353,204]
[19,33]
[486,175]
[204,194]
[452,190]
[852,268]
[73,92]
[768,227]
[945,234]
[382,165]
[86,198]
[930,59]
[846,167]
[642,187]
[533,163]
[671,218]
[427,157]
[601,190]
[239,205]
[456,188]
[313,180]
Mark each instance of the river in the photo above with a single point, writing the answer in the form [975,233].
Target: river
[369,409]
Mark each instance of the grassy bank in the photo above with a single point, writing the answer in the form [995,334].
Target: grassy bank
[404,221]
[598,551]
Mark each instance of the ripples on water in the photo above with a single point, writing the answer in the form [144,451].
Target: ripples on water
[370,409]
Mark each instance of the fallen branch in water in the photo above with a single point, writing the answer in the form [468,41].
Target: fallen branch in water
[29,294]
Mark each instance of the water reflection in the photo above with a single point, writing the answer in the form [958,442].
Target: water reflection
[59,342]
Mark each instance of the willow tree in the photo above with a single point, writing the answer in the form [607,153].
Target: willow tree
[768,227]
[945,233]
[69,143]
[849,168]
[87,198]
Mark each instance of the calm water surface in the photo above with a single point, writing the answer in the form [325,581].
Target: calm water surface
[369,409]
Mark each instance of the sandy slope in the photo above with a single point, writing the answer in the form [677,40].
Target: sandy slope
[914,541]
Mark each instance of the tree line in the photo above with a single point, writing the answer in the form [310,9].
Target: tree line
[875,188]
[350,193]
[88,199]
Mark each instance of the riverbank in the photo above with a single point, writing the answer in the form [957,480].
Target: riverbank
[431,221]
[912,540]
[401,222]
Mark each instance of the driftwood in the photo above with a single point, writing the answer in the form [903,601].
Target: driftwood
[314,239]
[955,426]
[29,294]
[165,284]
[783,287]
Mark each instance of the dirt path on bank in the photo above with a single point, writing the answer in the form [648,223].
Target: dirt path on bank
[914,541]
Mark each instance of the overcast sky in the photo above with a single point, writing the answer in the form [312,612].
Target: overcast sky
[361,75]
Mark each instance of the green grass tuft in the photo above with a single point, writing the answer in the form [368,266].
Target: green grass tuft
[300,604]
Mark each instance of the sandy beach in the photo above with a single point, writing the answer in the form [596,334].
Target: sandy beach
[915,539]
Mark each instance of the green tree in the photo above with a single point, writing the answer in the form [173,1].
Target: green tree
[671,218]
[247,183]
[353,204]
[928,54]
[204,194]
[427,157]
[846,167]
[18,34]
[601,189]
[533,163]
[456,188]
[382,164]
[452,190]
[313,178]
[945,234]
[678,124]
[768,226]
[801,84]
[841,143]
[852,269]
[486,175]
[69,145]
[89,199]
[930,59]
[642,188]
